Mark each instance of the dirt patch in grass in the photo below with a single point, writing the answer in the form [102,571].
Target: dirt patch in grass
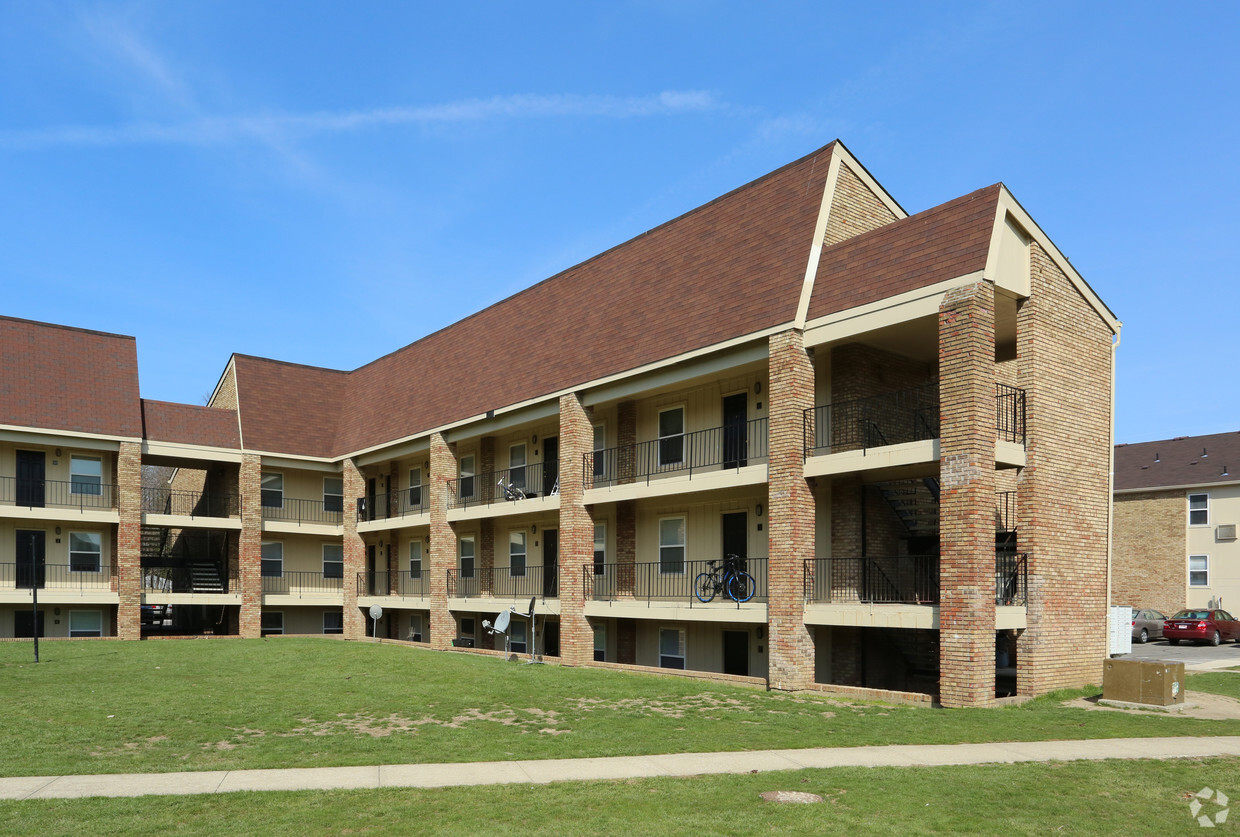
[1206,707]
[526,720]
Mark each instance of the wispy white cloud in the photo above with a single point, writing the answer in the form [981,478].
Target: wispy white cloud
[266,128]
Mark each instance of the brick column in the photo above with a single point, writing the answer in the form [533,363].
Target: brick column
[967,496]
[791,512]
[626,441]
[626,546]
[393,567]
[484,483]
[355,621]
[442,552]
[129,540]
[486,556]
[576,532]
[250,578]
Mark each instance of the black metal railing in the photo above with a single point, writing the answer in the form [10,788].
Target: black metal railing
[408,585]
[908,415]
[302,583]
[904,579]
[190,503]
[1005,511]
[656,581]
[60,494]
[1011,578]
[388,505]
[1010,413]
[502,486]
[27,574]
[716,449]
[304,511]
[504,582]
[207,578]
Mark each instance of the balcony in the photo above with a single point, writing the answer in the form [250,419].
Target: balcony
[893,418]
[57,494]
[905,579]
[504,582]
[725,448]
[190,503]
[303,584]
[380,583]
[656,582]
[56,577]
[1010,413]
[1011,578]
[290,510]
[395,504]
[505,486]
[199,578]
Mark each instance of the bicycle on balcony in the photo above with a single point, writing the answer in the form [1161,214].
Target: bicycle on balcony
[511,492]
[727,577]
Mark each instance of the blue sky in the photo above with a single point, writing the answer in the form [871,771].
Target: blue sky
[324,183]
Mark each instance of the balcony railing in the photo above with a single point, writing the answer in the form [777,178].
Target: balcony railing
[60,494]
[670,582]
[190,503]
[905,579]
[204,578]
[504,582]
[1011,578]
[1010,413]
[1005,511]
[718,449]
[407,585]
[25,575]
[305,511]
[300,583]
[909,415]
[503,486]
[388,505]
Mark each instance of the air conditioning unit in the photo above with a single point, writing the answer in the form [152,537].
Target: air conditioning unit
[1225,532]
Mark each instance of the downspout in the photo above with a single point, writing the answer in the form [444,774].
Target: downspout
[1111,488]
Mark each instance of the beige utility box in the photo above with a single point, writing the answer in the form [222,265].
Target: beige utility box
[1152,682]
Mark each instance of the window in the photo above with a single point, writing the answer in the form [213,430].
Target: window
[600,548]
[517,637]
[415,627]
[600,447]
[1198,509]
[333,622]
[415,488]
[672,546]
[672,436]
[1199,571]
[333,494]
[467,626]
[516,553]
[671,648]
[467,557]
[85,549]
[273,491]
[600,643]
[86,475]
[516,465]
[85,623]
[272,559]
[415,559]
[333,560]
[272,623]
[467,476]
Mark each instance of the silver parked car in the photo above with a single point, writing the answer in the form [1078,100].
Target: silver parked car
[1147,625]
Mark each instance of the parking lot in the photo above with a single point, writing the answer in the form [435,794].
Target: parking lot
[1193,656]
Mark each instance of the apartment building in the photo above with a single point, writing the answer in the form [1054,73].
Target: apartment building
[899,426]
[1177,505]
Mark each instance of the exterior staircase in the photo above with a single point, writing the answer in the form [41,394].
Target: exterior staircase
[916,503]
[205,578]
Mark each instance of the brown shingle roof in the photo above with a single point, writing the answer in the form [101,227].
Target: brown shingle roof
[942,243]
[1184,460]
[164,421]
[290,408]
[62,378]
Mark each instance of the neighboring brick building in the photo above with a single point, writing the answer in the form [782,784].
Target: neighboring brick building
[899,424]
[1177,512]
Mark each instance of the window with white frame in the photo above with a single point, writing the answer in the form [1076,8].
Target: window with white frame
[600,643]
[516,554]
[415,559]
[600,448]
[86,475]
[333,560]
[415,488]
[333,494]
[516,465]
[272,559]
[85,623]
[1198,509]
[672,648]
[272,622]
[333,622]
[467,476]
[600,548]
[672,546]
[273,491]
[1199,571]
[467,557]
[672,436]
[85,552]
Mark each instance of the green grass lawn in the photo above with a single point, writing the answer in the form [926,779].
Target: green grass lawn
[1121,797]
[107,707]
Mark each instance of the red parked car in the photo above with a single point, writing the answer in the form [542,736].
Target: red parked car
[1212,626]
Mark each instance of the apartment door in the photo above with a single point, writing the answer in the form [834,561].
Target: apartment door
[31,566]
[735,430]
[30,475]
[23,624]
[551,639]
[372,583]
[736,535]
[551,563]
[551,465]
[370,499]
[736,652]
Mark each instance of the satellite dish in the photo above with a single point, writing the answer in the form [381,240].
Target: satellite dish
[376,612]
[501,622]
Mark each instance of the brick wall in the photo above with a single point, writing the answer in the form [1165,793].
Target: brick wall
[859,371]
[626,439]
[355,620]
[576,532]
[129,540]
[854,208]
[1148,551]
[250,546]
[442,552]
[626,547]
[626,641]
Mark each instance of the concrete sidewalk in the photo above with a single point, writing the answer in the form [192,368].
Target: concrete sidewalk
[622,767]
